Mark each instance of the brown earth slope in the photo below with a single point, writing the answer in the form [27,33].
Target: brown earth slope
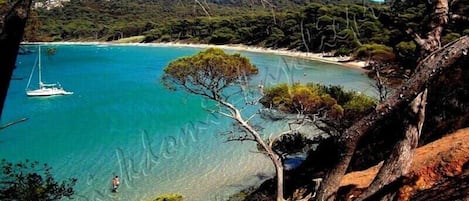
[442,162]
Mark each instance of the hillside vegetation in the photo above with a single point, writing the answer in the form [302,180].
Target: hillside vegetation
[370,30]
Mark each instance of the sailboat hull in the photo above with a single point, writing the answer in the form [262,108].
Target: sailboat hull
[48,92]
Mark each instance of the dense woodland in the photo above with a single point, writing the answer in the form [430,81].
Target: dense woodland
[367,29]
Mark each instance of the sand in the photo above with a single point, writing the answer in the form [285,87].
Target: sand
[431,162]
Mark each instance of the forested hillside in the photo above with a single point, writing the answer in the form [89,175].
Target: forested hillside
[91,19]
[370,30]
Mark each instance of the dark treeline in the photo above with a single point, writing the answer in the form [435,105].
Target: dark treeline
[368,30]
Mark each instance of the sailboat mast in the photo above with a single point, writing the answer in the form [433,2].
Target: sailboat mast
[40,77]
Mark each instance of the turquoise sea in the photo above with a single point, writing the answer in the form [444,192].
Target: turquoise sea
[121,121]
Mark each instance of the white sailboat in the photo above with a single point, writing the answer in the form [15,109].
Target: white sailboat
[44,89]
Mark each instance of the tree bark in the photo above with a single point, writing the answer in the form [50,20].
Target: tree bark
[439,20]
[427,72]
[10,38]
[400,160]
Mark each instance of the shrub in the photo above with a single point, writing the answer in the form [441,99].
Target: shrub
[358,106]
[165,38]
[30,181]
[375,52]
[337,109]
[338,93]
[276,95]
[313,98]
[169,197]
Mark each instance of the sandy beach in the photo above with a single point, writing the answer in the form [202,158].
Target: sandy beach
[357,65]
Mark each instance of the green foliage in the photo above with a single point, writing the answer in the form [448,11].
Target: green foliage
[314,98]
[277,95]
[359,104]
[275,38]
[26,181]
[165,38]
[169,197]
[317,27]
[239,24]
[376,52]
[449,37]
[338,93]
[222,35]
[208,72]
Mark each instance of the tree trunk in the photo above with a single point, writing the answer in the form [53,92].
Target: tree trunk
[274,157]
[439,20]
[279,172]
[10,38]
[400,160]
[427,72]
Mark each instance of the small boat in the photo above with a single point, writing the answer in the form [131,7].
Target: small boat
[44,89]
[344,59]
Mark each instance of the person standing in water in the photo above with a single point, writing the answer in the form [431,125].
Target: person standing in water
[115,184]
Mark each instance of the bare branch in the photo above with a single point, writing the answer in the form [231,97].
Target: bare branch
[379,84]
[263,2]
[240,139]
[12,123]
[203,8]
[303,36]
[417,38]
[225,114]
[355,25]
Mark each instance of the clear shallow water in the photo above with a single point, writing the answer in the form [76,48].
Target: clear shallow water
[121,121]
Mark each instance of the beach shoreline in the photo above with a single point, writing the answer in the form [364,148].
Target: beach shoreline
[354,64]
